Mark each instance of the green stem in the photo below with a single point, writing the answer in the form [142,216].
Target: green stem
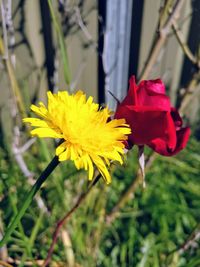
[28,199]
[61,41]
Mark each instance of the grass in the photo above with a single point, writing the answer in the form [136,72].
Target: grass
[154,223]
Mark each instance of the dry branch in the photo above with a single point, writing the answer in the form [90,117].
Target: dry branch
[162,37]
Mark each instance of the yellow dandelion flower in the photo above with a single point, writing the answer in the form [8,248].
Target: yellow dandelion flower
[89,137]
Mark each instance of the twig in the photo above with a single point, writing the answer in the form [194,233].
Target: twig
[68,248]
[26,263]
[164,14]
[17,152]
[163,34]
[183,45]
[189,90]
[129,193]
[26,146]
[37,262]
[18,155]
[5,264]
[10,29]
[3,250]
[5,37]
[83,27]
[13,81]
[78,74]
[125,197]
[66,217]
[190,242]
[141,161]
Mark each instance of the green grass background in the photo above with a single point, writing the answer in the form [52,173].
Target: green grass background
[149,230]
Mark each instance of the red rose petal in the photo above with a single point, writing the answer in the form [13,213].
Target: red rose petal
[147,124]
[161,147]
[131,98]
[153,121]
[177,118]
[152,94]
[153,86]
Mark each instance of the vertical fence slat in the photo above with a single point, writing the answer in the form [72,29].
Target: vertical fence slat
[116,49]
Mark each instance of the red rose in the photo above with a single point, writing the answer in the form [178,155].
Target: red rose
[153,121]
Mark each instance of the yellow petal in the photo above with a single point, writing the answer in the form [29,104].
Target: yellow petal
[61,148]
[102,168]
[40,111]
[90,168]
[64,155]
[36,122]
[46,132]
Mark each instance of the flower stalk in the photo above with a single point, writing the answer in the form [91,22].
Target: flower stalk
[28,199]
[66,217]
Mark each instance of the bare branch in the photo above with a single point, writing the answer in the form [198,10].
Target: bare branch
[22,165]
[5,36]
[83,27]
[184,46]
[163,34]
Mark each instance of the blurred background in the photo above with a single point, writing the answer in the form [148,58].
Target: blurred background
[96,46]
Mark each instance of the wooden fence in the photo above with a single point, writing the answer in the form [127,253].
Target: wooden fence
[106,40]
